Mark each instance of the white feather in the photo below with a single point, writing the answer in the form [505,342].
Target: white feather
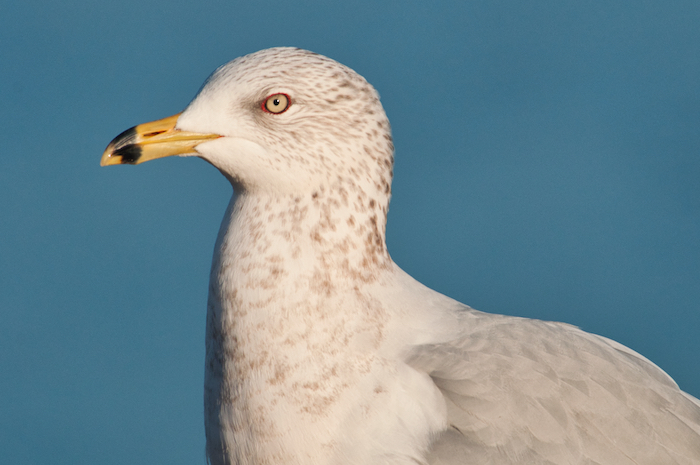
[320,350]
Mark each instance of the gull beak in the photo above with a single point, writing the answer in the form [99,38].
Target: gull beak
[149,141]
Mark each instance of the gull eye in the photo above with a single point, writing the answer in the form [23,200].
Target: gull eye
[276,103]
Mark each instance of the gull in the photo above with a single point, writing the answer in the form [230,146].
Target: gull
[321,350]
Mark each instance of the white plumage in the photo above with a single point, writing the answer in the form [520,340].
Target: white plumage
[320,350]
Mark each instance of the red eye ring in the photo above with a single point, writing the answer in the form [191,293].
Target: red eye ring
[276,103]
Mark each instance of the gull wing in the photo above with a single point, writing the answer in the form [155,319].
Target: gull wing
[527,391]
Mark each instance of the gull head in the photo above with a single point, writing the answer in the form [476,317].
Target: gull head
[280,120]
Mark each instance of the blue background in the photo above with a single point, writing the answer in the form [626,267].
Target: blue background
[547,165]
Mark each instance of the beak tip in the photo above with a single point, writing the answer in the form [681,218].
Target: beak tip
[108,158]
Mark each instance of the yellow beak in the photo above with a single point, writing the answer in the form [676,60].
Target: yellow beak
[152,140]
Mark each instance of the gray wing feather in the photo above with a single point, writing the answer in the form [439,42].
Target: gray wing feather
[526,391]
